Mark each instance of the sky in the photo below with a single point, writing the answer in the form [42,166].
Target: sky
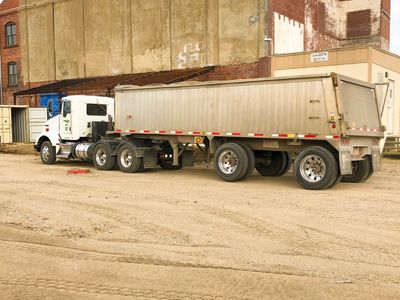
[395,27]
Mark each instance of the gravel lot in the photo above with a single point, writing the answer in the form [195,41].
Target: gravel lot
[188,235]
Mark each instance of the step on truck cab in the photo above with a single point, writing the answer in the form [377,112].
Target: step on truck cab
[329,124]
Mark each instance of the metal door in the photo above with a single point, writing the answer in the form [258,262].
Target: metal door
[390,108]
[5,125]
[37,118]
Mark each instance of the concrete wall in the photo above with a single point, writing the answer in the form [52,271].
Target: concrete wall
[82,38]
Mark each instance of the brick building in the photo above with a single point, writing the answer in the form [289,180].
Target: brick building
[63,40]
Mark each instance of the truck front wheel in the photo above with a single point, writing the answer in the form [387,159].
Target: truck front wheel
[231,162]
[102,157]
[48,153]
[316,168]
[127,160]
[362,171]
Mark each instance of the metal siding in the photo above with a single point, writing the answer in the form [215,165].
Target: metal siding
[280,106]
[37,118]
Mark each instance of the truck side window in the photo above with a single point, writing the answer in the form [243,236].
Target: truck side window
[96,109]
[66,108]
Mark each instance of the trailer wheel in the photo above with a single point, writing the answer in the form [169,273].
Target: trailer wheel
[252,161]
[231,162]
[362,171]
[48,153]
[102,157]
[127,160]
[316,168]
[278,164]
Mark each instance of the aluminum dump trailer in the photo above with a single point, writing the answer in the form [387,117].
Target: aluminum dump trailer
[330,123]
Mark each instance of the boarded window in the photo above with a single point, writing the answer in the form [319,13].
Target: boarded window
[96,110]
[359,23]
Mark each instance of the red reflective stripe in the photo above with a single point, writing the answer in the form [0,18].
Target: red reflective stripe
[215,133]
[162,131]
[179,132]
[336,136]
[132,130]
[310,136]
[258,134]
[283,135]
[146,131]
[236,133]
[196,132]
[118,130]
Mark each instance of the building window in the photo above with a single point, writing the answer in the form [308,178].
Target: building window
[11,34]
[12,74]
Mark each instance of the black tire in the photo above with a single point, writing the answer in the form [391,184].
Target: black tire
[288,164]
[102,157]
[231,162]
[128,162]
[252,161]
[48,153]
[279,165]
[362,171]
[316,168]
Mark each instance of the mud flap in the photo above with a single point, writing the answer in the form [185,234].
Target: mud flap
[345,162]
[376,159]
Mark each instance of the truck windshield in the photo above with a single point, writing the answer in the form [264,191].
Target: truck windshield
[96,109]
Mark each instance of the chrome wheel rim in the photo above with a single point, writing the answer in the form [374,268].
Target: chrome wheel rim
[312,168]
[228,162]
[45,153]
[126,158]
[101,157]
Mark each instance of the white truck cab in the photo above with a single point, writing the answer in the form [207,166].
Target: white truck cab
[75,126]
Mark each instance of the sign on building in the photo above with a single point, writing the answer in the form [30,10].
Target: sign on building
[319,56]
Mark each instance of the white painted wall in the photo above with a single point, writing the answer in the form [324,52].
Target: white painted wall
[289,35]
[359,71]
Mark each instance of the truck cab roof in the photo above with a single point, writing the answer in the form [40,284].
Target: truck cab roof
[89,99]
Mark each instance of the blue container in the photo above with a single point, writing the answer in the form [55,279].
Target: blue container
[52,103]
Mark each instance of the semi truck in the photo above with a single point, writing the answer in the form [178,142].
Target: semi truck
[328,124]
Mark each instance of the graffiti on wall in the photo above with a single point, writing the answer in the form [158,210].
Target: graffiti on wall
[116,59]
[190,56]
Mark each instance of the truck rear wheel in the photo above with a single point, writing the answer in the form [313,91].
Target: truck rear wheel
[102,157]
[252,161]
[127,160]
[276,165]
[48,153]
[316,168]
[231,162]
[362,171]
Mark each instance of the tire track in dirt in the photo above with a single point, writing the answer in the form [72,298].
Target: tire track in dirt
[91,288]
[89,255]
[310,246]
[278,269]
[143,228]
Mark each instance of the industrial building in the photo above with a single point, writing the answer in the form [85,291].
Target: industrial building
[49,41]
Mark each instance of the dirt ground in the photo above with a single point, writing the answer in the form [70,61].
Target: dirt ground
[188,235]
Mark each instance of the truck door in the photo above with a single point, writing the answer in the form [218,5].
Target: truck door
[66,120]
